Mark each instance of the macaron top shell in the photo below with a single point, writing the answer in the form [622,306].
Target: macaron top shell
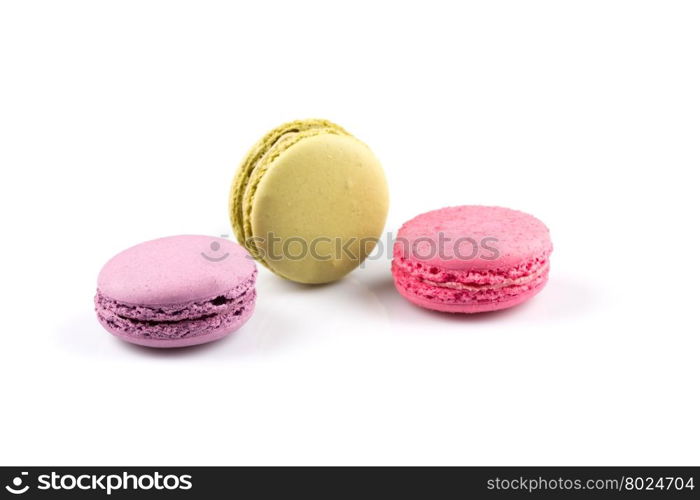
[174,270]
[258,160]
[475,238]
[309,200]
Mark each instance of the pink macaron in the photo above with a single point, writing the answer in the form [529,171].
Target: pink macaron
[176,291]
[471,259]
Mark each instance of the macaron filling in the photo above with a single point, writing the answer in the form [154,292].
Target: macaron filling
[506,283]
[176,321]
[432,283]
[471,277]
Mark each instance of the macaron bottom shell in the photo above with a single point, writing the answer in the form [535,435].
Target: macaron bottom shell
[155,334]
[439,299]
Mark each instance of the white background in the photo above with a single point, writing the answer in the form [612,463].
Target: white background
[125,121]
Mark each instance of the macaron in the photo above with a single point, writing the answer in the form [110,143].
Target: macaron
[471,259]
[176,291]
[309,201]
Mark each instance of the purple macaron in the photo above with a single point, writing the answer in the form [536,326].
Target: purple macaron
[176,291]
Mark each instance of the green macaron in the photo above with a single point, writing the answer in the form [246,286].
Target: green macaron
[309,201]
